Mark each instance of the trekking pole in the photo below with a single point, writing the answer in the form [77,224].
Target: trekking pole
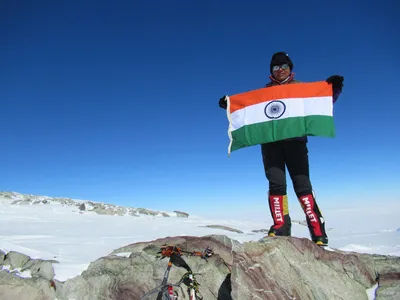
[165,279]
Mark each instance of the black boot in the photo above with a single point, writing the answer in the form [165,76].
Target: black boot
[278,207]
[315,220]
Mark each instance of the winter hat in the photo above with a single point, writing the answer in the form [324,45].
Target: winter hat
[280,58]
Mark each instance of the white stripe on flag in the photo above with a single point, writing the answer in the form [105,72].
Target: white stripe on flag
[294,107]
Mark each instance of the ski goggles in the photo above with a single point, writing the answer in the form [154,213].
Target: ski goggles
[283,67]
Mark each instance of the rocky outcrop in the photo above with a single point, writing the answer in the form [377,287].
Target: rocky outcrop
[7,195]
[14,287]
[389,287]
[387,270]
[15,259]
[223,227]
[274,268]
[24,278]
[19,263]
[181,214]
[303,222]
[147,212]
[101,210]
[2,257]
[260,230]
[21,202]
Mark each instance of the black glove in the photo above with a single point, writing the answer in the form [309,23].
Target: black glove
[336,81]
[222,102]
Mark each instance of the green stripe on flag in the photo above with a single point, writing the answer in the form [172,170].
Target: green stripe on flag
[276,130]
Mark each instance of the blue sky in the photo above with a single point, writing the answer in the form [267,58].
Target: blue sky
[118,101]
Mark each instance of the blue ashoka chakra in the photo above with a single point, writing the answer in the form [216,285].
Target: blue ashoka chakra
[275,109]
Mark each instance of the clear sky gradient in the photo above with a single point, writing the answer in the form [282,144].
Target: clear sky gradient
[117,101]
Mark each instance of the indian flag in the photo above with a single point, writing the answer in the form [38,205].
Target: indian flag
[280,112]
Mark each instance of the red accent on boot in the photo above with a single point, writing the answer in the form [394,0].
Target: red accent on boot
[308,203]
[276,206]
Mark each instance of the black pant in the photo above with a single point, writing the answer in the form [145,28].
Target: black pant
[293,154]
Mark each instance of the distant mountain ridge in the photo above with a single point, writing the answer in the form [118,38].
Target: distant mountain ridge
[86,206]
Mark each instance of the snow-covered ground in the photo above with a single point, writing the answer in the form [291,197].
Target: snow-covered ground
[74,239]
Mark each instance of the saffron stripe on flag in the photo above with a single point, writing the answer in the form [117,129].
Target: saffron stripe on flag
[295,107]
[287,91]
[258,133]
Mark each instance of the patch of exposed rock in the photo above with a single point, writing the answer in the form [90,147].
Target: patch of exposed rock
[133,213]
[109,210]
[260,230]
[181,214]
[303,222]
[27,199]
[147,212]
[8,195]
[82,207]
[21,202]
[223,228]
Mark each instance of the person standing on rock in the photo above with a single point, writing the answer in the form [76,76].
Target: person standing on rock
[292,153]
